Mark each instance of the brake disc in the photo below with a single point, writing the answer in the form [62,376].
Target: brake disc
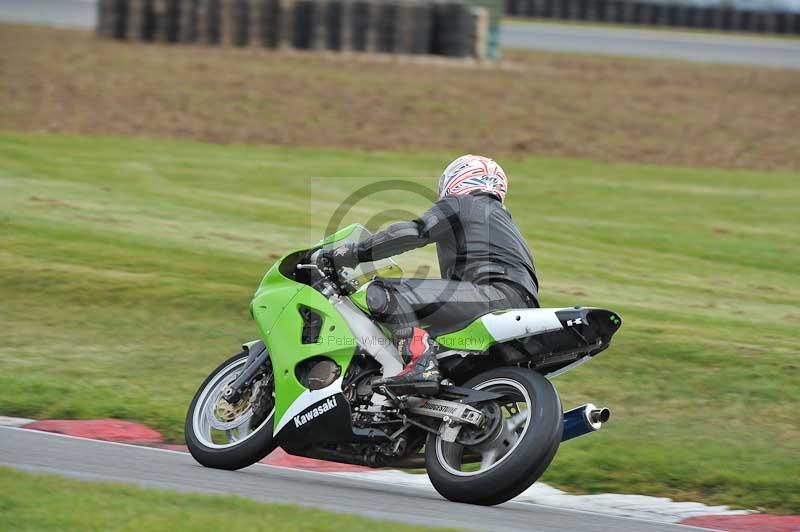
[224,416]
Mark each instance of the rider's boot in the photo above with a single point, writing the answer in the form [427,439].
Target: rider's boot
[421,374]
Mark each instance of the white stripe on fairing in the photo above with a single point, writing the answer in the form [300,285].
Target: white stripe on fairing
[504,326]
[306,399]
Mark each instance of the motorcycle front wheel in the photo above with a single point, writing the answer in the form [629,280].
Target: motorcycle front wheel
[493,463]
[226,436]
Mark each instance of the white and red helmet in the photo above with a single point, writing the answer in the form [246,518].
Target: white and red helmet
[473,173]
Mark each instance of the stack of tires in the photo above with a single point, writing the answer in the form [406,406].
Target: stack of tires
[111,18]
[453,29]
[450,28]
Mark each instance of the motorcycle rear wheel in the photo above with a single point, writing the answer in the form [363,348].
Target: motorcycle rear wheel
[231,437]
[518,451]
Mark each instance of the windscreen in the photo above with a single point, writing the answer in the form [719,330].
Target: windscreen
[365,271]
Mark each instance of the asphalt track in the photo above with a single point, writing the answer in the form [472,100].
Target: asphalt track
[680,45]
[40,452]
[657,44]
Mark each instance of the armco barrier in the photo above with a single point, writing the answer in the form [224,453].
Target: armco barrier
[658,14]
[453,28]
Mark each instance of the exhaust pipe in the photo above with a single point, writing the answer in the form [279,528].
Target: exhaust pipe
[583,420]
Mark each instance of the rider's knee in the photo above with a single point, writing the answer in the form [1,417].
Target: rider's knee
[379,300]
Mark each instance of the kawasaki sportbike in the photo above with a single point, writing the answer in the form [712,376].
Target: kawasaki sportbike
[306,385]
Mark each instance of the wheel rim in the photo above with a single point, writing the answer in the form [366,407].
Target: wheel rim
[236,427]
[515,424]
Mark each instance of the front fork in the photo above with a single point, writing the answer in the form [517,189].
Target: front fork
[257,356]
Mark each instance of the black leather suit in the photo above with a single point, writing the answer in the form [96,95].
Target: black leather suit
[484,261]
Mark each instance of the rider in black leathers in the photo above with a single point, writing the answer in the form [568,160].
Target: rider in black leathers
[485,264]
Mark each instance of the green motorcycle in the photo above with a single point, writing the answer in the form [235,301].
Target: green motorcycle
[306,385]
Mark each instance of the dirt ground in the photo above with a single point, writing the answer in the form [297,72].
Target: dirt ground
[534,103]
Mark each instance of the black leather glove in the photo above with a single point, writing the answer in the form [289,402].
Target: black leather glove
[345,256]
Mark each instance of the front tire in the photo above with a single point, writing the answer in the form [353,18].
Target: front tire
[516,457]
[249,438]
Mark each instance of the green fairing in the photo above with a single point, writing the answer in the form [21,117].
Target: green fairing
[359,298]
[272,296]
[276,310]
[341,234]
[473,337]
[286,350]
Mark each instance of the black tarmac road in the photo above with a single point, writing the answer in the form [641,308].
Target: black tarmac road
[40,452]
[658,44]
[682,45]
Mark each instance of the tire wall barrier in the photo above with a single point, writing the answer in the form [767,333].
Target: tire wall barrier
[440,27]
[722,18]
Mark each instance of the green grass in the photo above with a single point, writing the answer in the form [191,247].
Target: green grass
[126,268]
[37,502]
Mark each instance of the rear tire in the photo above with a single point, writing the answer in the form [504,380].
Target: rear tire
[522,465]
[250,450]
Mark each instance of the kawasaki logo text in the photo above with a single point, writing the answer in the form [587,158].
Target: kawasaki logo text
[317,411]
